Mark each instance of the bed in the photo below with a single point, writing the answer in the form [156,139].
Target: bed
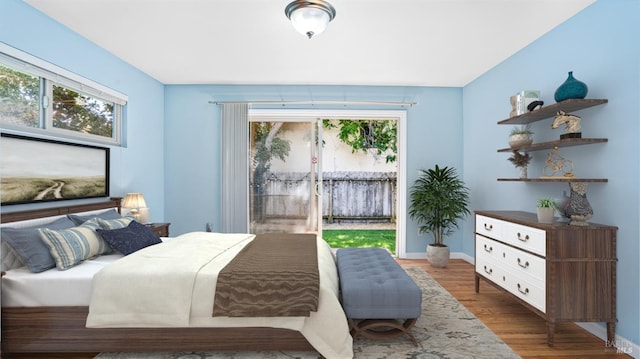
[32,328]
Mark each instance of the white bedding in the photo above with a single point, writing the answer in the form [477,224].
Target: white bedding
[130,302]
[52,288]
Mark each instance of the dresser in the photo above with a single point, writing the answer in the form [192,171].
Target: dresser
[562,272]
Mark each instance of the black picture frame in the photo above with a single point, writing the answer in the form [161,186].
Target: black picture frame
[34,170]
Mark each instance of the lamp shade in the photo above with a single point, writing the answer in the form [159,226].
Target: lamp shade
[310,17]
[134,200]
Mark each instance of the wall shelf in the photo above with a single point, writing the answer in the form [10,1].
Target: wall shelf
[551,110]
[543,114]
[555,179]
[567,142]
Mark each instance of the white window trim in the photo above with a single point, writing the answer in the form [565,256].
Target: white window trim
[70,79]
[35,66]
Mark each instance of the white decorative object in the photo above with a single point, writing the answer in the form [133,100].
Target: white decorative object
[143,215]
[521,100]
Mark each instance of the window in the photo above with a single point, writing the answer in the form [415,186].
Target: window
[38,97]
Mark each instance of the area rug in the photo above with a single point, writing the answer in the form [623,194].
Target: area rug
[445,330]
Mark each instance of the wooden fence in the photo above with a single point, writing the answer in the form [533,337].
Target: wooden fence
[347,196]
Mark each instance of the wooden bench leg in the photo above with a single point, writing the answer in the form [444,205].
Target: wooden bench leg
[383,328]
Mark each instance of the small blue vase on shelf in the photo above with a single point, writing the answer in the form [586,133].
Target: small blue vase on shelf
[571,88]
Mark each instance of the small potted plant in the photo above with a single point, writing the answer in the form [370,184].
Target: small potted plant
[521,136]
[439,198]
[545,210]
[521,161]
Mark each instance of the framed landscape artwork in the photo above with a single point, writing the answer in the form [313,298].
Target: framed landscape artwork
[36,170]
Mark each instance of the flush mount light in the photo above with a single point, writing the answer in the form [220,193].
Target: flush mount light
[310,17]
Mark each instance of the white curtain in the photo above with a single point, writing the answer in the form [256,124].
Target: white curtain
[235,168]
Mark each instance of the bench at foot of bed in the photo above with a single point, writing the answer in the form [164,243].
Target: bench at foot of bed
[378,296]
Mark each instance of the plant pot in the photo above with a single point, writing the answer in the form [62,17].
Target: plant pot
[438,256]
[520,140]
[545,215]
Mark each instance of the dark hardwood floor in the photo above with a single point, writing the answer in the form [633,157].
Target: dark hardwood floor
[521,329]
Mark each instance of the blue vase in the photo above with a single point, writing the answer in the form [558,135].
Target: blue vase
[571,88]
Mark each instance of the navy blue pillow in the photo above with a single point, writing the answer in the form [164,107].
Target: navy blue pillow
[131,238]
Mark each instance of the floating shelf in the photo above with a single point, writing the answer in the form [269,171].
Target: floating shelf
[551,110]
[567,142]
[558,179]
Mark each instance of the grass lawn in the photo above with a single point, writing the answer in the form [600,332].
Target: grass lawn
[341,238]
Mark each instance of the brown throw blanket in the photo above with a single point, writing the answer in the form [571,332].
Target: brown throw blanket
[274,275]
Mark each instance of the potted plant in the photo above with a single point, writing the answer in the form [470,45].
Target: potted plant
[438,200]
[521,161]
[521,136]
[545,210]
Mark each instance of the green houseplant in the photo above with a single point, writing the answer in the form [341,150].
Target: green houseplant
[545,209]
[439,198]
[521,136]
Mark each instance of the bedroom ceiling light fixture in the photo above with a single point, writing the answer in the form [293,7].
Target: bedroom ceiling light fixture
[310,17]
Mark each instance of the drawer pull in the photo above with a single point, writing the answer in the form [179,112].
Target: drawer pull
[524,239]
[489,271]
[525,265]
[490,249]
[525,291]
[488,227]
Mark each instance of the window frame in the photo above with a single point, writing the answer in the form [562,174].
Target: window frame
[51,75]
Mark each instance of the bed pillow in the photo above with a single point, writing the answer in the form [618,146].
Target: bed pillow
[28,246]
[70,247]
[80,219]
[114,223]
[131,238]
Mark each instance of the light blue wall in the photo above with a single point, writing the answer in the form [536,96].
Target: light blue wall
[192,146]
[140,166]
[601,46]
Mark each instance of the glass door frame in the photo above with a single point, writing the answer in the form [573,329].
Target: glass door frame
[399,115]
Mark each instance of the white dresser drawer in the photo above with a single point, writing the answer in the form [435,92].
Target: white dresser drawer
[490,270]
[489,227]
[525,263]
[527,238]
[488,248]
[527,290]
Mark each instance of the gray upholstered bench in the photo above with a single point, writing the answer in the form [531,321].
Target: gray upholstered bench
[379,298]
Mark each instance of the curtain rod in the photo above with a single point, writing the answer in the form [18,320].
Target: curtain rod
[344,103]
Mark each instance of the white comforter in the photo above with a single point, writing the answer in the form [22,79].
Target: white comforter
[173,285]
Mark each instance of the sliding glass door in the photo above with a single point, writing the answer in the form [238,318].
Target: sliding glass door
[285,170]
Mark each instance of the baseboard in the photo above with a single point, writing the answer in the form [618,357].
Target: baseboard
[621,344]
[452,255]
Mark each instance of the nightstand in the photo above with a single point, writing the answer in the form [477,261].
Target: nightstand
[161,229]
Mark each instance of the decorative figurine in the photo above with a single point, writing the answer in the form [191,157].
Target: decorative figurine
[579,209]
[572,123]
[535,105]
[556,163]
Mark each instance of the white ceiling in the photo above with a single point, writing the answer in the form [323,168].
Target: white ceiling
[370,42]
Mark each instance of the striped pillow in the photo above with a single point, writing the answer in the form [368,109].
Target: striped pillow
[70,247]
[109,224]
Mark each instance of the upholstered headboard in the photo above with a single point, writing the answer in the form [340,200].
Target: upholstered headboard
[38,217]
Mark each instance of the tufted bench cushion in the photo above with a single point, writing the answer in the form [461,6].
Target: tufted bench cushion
[374,286]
